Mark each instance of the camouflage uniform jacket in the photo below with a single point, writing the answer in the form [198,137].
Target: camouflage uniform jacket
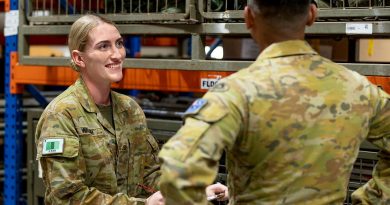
[99,164]
[291,124]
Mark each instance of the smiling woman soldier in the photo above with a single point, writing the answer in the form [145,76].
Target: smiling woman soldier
[92,142]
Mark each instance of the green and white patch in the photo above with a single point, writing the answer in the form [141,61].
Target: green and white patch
[53,146]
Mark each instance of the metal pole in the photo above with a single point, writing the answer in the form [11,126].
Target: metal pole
[13,139]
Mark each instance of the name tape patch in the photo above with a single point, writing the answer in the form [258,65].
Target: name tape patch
[53,146]
[196,106]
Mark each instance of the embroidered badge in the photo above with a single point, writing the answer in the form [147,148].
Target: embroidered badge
[53,146]
[220,87]
[196,106]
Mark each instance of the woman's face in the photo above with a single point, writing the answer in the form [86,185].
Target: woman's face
[104,54]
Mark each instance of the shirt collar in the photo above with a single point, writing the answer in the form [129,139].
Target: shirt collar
[119,104]
[85,98]
[286,48]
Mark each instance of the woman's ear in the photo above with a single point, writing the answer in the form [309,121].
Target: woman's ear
[312,15]
[78,59]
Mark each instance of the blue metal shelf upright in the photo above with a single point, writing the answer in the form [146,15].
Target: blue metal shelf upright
[13,137]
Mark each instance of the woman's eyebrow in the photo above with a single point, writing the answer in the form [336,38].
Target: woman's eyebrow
[108,41]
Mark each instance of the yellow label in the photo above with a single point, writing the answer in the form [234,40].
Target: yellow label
[370,48]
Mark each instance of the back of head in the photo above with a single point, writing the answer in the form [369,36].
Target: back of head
[78,34]
[281,12]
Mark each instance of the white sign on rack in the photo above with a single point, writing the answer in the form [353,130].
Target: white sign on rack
[358,28]
[207,83]
[10,31]
[11,23]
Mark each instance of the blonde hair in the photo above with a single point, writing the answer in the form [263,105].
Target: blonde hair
[78,34]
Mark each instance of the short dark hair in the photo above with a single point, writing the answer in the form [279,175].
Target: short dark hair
[282,8]
[281,11]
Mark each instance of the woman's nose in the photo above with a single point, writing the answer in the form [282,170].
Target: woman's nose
[117,53]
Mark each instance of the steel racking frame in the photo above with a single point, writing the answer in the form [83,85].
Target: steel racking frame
[13,136]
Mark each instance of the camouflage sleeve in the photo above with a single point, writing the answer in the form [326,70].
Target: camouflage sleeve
[191,157]
[147,175]
[64,173]
[152,163]
[377,190]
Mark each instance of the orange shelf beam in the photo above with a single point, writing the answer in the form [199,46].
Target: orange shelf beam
[382,81]
[6,4]
[134,78]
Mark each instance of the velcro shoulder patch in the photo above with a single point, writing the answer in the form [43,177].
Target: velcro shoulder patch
[207,110]
[53,146]
[196,107]
[66,146]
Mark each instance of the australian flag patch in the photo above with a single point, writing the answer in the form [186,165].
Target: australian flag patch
[196,106]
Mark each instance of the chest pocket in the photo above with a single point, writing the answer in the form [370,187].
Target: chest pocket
[98,151]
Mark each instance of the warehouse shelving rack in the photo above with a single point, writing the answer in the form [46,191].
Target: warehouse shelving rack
[13,137]
[131,11]
[197,31]
[196,21]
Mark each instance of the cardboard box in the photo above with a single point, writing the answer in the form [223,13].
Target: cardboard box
[247,49]
[373,50]
[49,51]
[333,49]
[240,48]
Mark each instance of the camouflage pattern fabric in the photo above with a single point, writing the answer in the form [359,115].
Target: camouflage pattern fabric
[99,164]
[291,125]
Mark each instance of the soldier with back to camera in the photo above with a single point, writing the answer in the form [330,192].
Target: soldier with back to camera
[291,123]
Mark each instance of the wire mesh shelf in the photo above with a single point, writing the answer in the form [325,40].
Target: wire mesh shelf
[67,11]
[222,9]
[353,10]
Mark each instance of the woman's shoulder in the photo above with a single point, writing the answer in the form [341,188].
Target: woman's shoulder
[65,101]
[125,100]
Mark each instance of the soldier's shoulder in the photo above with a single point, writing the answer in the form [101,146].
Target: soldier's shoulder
[233,82]
[122,97]
[344,71]
[125,100]
[66,100]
